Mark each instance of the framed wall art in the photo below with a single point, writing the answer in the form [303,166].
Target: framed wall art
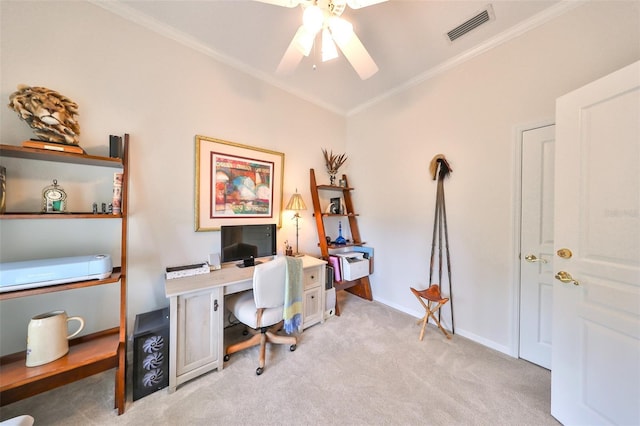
[236,184]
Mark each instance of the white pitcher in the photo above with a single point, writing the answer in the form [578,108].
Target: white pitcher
[47,338]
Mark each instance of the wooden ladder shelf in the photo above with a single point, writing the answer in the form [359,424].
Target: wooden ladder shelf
[360,287]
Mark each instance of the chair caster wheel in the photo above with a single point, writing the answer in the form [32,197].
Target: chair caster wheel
[292,348]
[259,371]
[226,358]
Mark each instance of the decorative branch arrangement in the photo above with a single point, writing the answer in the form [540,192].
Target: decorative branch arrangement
[333,163]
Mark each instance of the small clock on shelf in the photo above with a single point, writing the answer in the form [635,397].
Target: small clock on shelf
[54,199]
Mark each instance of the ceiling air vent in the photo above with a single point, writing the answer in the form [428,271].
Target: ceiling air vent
[482,17]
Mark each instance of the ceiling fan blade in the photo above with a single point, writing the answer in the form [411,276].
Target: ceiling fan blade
[285,3]
[303,40]
[290,60]
[300,46]
[357,4]
[329,50]
[352,48]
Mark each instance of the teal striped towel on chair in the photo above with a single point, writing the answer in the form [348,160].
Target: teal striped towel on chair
[293,295]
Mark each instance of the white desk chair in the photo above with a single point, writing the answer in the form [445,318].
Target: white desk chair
[261,309]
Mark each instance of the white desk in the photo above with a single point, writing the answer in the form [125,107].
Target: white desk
[196,343]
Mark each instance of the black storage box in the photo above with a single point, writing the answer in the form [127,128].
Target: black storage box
[150,352]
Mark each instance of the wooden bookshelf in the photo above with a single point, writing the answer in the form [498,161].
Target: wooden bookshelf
[90,354]
[62,216]
[87,355]
[58,157]
[114,278]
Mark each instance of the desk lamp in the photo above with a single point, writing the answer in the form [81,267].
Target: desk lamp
[296,203]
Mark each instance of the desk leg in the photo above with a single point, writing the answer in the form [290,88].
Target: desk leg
[173,343]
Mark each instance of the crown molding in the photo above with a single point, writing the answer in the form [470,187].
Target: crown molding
[145,21]
[139,18]
[508,35]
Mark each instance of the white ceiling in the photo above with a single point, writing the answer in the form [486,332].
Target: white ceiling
[407,40]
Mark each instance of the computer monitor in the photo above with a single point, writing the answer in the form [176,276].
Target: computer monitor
[245,242]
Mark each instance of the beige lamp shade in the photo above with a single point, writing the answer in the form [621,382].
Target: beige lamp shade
[296,203]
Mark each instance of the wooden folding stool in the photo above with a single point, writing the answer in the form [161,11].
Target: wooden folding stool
[431,295]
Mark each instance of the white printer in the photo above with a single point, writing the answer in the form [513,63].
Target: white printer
[353,265]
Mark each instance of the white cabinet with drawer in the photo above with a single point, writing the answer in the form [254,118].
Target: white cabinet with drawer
[313,299]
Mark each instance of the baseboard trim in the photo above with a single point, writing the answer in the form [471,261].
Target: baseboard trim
[461,332]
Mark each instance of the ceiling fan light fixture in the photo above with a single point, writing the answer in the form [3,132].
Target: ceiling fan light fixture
[312,19]
[329,50]
[337,34]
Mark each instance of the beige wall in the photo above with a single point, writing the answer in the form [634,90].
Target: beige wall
[472,114]
[128,79]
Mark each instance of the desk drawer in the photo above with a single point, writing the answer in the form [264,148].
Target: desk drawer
[311,277]
[238,287]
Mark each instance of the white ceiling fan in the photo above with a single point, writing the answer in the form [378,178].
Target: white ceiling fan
[324,16]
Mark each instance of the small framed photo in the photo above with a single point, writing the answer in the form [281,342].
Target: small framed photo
[336,205]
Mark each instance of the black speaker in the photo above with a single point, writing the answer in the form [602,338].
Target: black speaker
[115,146]
[150,352]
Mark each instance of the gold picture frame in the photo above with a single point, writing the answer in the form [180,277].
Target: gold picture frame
[236,184]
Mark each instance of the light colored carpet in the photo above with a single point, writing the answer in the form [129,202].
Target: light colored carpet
[366,367]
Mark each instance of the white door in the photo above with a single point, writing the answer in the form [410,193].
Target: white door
[536,245]
[596,299]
